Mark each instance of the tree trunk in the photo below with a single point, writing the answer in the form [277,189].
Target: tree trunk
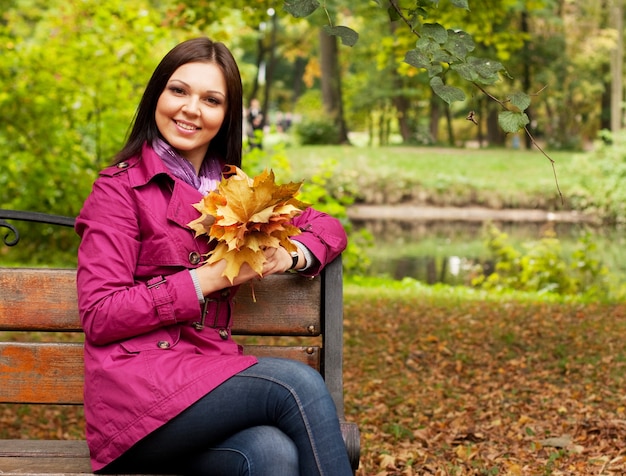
[605,100]
[331,84]
[269,69]
[482,101]
[260,55]
[297,84]
[400,101]
[435,116]
[526,75]
[495,135]
[617,67]
[401,104]
[451,139]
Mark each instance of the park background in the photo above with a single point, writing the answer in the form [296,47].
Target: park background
[515,366]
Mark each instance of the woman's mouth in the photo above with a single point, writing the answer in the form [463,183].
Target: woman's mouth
[186,126]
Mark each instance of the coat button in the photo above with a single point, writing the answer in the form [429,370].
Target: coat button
[122,165]
[194,257]
[163,344]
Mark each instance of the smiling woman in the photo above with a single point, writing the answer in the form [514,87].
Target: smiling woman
[167,389]
[191,109]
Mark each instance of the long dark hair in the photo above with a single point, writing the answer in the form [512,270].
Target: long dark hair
[227,143]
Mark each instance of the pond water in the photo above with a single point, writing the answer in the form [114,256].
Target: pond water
[448,251]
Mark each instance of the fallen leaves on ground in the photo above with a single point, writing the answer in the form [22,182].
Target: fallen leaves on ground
[463,388]
[477,388]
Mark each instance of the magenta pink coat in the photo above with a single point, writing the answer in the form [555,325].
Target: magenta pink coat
[144,361]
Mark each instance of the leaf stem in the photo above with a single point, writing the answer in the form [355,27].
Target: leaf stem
[330,20]
[404,19]
[528,133]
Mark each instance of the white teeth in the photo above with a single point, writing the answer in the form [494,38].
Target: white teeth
[186,126]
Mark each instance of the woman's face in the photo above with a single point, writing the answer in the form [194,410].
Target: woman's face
[192,108]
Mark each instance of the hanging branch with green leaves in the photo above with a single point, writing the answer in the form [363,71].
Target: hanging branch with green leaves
[440,51]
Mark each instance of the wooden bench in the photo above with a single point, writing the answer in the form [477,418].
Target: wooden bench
[292,317]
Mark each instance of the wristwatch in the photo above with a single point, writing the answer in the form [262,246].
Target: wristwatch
[294,259]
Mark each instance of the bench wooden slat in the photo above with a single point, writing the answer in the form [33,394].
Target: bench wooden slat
[51,465]
[41,372]
[45,299]
[34,299]
[18,457]
[310,355]
[283,304]
[36,372]
[44,448]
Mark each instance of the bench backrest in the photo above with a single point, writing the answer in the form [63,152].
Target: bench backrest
[46,365]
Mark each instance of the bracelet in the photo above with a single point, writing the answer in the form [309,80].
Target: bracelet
[309,259]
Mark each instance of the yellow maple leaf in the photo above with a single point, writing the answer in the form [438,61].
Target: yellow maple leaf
[246,216]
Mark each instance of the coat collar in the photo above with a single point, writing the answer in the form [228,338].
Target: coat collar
[148,167]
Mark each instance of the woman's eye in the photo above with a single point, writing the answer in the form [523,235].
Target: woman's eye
[176,90]
[213,101]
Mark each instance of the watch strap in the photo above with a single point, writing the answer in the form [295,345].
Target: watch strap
[294,259]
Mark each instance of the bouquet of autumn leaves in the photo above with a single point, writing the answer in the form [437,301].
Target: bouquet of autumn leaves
[246,216]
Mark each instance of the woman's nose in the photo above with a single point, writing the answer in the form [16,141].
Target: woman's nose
[192,105]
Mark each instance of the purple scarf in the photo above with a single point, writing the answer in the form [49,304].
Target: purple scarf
[210,171]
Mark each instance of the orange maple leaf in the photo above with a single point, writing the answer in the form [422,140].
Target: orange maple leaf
[246,216]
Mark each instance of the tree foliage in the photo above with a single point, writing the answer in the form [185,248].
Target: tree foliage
[438,50]
[72,73]
[542,267]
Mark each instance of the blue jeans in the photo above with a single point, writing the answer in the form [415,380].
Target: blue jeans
[275,418]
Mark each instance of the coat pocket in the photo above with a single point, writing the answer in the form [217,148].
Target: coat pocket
[160,339]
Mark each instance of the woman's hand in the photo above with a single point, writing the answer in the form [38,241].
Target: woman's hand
[277,260]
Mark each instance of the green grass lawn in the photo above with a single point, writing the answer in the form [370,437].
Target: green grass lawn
[514,175]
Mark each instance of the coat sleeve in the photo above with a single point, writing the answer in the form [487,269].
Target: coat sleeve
[323,235]
[114,303]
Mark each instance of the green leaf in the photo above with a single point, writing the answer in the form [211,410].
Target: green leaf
[300,8]
[348,36]
[459,43]
[434,70]
[511,122]
[461,4]
[434,31]
[487,70]
[520,100]
[465,70]
[432,50]
[478,70]
[448,93]
[417,58]
[429,57]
